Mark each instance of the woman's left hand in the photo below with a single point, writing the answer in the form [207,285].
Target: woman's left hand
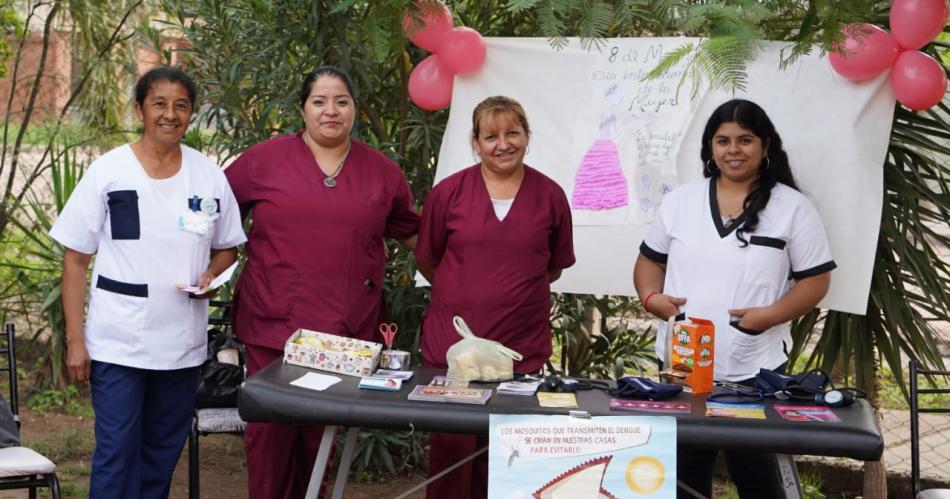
[203,281]
[755,318]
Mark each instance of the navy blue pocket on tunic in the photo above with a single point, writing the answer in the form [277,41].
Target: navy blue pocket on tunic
[124,214]
[122,288]
[772,242]
[745,330]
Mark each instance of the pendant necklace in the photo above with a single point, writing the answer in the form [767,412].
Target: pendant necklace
[330,180]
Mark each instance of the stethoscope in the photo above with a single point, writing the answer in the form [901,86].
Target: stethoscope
[836,397]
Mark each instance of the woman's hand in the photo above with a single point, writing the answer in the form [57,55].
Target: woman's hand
[221,259]
[74,295]
[755,318]
[78,362]
[203,281]
[664,306]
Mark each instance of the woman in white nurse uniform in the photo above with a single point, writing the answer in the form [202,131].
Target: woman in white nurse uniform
[745,249]
[155,213]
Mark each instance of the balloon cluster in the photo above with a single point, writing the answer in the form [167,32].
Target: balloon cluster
[454,51]
[919,81]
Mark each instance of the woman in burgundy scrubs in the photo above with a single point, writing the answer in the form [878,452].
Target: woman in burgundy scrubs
[322,203]
[493,238]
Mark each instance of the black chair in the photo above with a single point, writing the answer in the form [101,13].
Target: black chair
[22,467]
[915,411]
[211,420]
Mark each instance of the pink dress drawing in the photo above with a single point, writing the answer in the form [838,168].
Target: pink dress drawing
[600,183]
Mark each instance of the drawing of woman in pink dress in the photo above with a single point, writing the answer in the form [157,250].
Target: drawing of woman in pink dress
[599,183]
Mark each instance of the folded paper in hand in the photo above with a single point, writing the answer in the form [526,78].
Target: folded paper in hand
[215,284]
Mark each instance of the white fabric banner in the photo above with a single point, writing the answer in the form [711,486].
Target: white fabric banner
[616,144]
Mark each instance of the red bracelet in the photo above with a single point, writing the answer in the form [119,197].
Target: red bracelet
[646,301]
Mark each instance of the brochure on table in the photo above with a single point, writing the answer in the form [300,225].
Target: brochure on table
[554,457]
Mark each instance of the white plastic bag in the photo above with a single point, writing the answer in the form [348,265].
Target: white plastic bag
[477,359]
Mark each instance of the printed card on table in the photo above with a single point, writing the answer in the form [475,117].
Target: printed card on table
[667,406]
[560,457]
[723,410]
[807,413]
[551,399]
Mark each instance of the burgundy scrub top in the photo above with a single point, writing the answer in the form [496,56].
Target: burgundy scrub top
[315,254]
[494,274]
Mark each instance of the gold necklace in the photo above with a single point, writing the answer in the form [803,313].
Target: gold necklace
[330,180]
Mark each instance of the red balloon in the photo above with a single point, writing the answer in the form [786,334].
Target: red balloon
[919,81]
[436,22]
[462,50]
[916,22]
[864,56]
[430,84]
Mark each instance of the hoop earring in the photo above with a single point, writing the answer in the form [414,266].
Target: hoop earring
[711,167]
[767,163]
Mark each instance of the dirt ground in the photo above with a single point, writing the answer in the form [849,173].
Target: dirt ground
[68,440]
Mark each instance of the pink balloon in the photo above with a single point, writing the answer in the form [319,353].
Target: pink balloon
[430,84]
[916,22]
[864,56]
[919,81]
[436,22]
[462,50]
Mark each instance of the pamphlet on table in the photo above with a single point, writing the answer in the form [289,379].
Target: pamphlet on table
[449,389]
[526,388]
[807,413]
[316,381]
[552,399]
[723,410]
[664,406]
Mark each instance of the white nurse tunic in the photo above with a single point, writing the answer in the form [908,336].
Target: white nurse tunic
[136,316]
[707,264]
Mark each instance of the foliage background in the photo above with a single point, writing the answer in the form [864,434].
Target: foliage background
[249,57]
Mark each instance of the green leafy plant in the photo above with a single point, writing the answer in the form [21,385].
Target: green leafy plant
[250,96]
[36,264]
[379,451]
[65,445]
[595,331]
[68,401]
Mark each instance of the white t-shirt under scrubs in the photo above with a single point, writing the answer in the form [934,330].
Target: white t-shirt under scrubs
[148,235]
[708,265]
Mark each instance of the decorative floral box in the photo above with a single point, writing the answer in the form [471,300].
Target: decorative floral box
[329,352]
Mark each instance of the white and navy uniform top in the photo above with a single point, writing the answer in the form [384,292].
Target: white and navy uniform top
[137,317]
[708,265]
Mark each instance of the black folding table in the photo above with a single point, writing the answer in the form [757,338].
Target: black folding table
[268,396]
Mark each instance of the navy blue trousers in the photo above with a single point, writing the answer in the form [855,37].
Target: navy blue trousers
[142,420]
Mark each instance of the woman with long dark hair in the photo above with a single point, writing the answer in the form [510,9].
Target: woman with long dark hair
[745,249]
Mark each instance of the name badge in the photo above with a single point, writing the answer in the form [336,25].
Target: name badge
[199,215]
[195,222]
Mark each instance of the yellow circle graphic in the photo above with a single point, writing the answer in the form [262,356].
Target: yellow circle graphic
[645,475]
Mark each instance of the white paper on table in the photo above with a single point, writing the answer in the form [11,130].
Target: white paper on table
[315,381]
[215,284]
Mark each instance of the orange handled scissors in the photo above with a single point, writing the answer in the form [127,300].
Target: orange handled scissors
[388,330]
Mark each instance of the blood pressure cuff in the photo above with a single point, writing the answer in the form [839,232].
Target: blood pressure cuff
[810,382]
[637,387]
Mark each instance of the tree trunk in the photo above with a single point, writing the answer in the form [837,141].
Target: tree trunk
[875,472]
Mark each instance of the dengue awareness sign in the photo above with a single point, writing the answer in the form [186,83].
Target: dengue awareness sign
[554,457]
[571,438]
